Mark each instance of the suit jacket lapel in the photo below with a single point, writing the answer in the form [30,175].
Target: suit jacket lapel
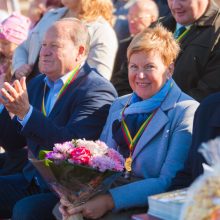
[157,123]
[36,100]
[117,114]
[71,89]
[190,36]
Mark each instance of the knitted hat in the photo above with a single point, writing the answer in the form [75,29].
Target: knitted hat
[15,28]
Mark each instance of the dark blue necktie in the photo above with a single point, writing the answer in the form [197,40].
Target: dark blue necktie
[179,31]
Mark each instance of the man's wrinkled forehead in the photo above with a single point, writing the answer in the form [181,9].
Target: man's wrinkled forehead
[57,33]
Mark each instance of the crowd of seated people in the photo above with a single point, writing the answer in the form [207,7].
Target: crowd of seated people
[38,8]
[103,44]
[14,30]
[140,16]
[129,62]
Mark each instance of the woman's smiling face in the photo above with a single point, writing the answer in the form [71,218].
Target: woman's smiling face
[147,73]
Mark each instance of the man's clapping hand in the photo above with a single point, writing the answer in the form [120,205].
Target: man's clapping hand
[15,98]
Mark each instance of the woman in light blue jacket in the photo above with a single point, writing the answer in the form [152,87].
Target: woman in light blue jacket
[152,128]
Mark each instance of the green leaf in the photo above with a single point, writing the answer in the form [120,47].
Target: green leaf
[48,162]
[42,154]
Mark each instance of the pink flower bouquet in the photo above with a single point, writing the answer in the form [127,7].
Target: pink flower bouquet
[80,169]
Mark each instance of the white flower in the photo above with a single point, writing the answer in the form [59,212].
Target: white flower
[97,148]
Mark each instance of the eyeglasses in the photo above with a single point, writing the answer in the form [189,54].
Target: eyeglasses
[137,18]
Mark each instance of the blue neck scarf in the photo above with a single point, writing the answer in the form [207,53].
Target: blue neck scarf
[137,105]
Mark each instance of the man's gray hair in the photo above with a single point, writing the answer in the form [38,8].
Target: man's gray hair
[78,32]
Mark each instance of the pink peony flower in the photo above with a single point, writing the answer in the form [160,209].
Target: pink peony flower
[80,155]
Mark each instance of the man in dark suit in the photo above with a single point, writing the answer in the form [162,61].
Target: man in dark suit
[71,101]
[197,69]
[206,126]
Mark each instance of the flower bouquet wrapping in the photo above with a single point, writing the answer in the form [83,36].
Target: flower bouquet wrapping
[80,169]
[203,197]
